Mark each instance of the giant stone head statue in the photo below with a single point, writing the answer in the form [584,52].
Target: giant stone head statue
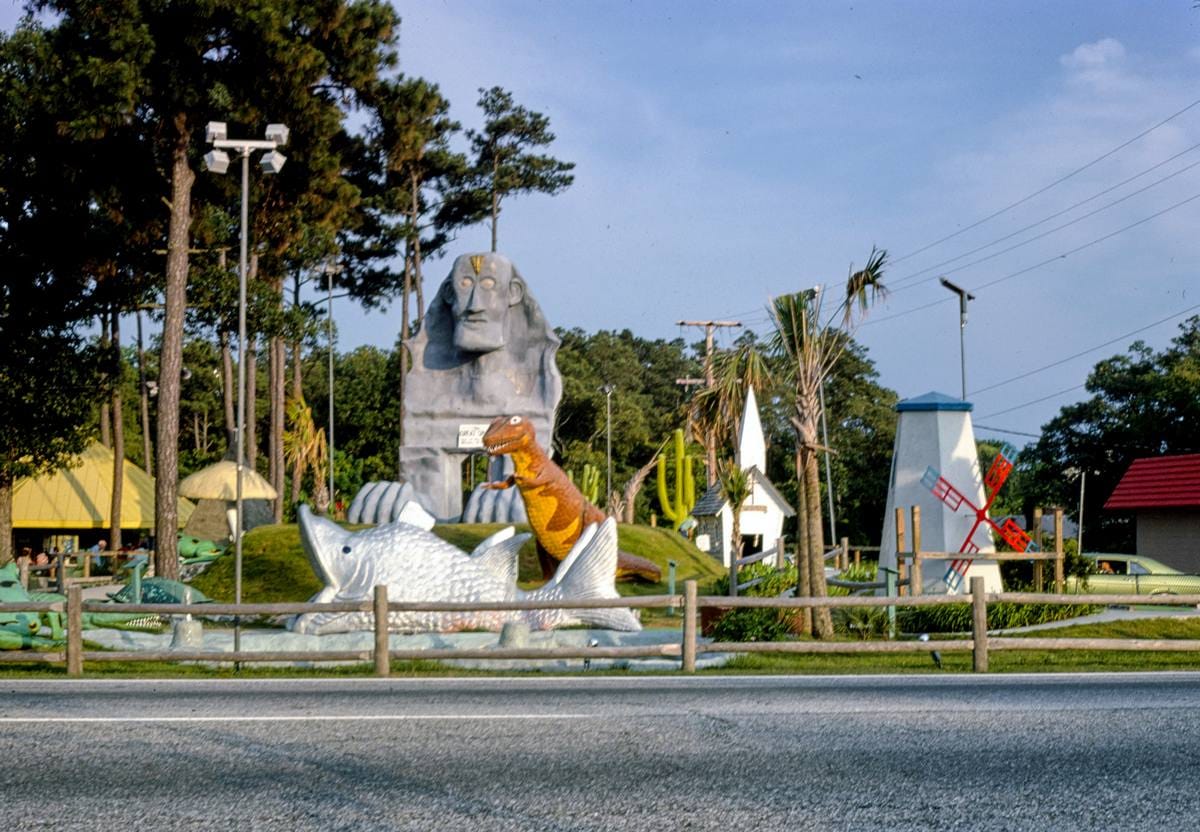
[480,291]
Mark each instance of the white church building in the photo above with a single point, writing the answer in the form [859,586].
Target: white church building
[763,512]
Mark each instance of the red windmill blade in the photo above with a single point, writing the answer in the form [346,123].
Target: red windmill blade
[993,481]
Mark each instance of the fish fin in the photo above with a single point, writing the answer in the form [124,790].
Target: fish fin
[589,571]
[414,515]
[500,553]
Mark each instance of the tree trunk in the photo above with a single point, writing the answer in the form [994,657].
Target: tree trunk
[822,618]
[495,204]
[803,576]
[415,190]
[147,451]
[166,485]
[251,440]
[227,393]
[118,437]
[6,518]
[105,416]
[277,377]
[629,496]
[297,393]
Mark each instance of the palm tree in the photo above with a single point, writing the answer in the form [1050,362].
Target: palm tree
[809,349]
[717,411]
[735,488]
[305,449]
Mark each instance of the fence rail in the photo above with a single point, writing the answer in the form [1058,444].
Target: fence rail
[686,650]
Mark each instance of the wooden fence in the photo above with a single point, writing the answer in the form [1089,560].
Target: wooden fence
[686,650]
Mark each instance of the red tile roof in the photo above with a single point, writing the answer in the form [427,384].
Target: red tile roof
[1159,482]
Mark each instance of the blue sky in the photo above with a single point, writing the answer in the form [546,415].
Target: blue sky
[728,152]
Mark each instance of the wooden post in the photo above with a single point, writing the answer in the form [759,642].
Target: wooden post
[1059,577]
[653,520]
[917,576]
[60,568]
[857,557]
[688,649]
[1039,580]
[900,568]
[23,572]
[75,630]
[780,554]
[383,664]
[979,633]
[87,564]
[845,553]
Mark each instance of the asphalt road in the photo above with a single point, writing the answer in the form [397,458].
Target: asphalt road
[952,752]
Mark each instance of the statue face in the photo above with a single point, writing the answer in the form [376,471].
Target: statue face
[481,290]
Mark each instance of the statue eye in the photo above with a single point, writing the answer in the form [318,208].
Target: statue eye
[516,420]
[488,283]
[466,283]
[345,550]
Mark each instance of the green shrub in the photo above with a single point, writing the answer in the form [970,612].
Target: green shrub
[956,618]
[757,624]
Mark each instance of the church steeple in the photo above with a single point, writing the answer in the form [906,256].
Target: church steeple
[752,446]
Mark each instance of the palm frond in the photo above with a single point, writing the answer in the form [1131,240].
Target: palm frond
[865,286]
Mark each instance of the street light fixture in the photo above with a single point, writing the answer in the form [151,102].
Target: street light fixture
[607,390]
[217,161]
[963,297]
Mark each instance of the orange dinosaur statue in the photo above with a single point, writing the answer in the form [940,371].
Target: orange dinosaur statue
[557,511]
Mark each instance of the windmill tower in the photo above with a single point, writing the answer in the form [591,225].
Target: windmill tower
[934,435]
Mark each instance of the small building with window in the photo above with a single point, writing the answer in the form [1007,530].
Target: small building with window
[1163,493]
[763,512]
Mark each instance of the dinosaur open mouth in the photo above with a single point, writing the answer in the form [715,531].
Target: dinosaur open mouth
[503,447]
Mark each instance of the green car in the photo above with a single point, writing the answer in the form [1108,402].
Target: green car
[1134,575]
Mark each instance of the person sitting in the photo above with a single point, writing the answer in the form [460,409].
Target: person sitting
[1106,568]
[99,547]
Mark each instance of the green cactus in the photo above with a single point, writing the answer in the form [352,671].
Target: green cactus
[589,483]
[682,500]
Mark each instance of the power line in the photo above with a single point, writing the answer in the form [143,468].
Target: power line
[1053,184]
[1064,255]
[1085,352]
[1033,402]
[896,287]
[1012,432]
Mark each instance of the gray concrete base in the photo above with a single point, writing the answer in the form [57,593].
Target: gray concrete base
[219,639]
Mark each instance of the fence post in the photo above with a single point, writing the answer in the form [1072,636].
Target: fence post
[845,553]
[916,586]
[900,569]
[688,649]
[1058,551]
[23,571]
[858,557]
[780,554]
[1039,581]
[383,665]
[979,635]
[75,630]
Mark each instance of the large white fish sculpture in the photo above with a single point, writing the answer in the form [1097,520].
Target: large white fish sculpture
[417,565]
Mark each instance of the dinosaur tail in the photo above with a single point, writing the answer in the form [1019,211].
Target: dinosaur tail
[587,573]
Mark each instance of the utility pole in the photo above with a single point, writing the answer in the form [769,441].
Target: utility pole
[710,445]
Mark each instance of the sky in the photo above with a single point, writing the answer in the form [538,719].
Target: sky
[729,152]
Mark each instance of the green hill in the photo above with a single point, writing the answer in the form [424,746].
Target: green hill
[274,568]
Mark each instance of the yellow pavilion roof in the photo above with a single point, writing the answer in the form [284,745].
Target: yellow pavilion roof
[80,497]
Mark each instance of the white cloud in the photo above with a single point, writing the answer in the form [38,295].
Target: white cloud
[1090,56]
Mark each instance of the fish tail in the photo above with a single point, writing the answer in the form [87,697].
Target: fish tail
[589,572]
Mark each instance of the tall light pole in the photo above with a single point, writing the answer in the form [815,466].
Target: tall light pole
[963,297]
[607,390]
[330,270]
[217,161]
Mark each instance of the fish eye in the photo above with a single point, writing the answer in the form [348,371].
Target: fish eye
[516,420]
[345,550]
